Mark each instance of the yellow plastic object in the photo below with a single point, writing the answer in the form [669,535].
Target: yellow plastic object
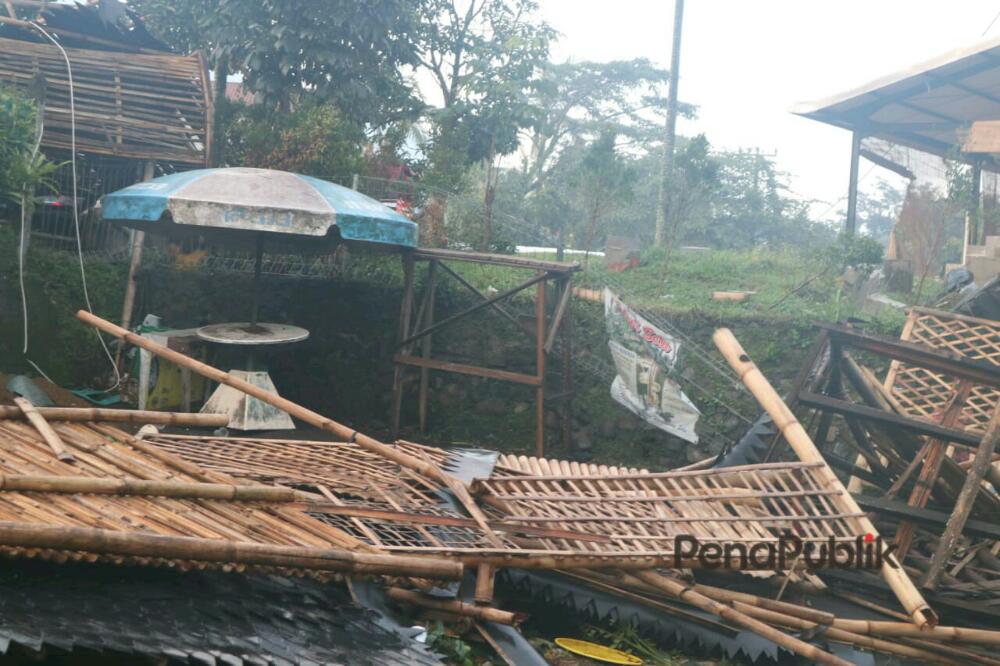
[598,652]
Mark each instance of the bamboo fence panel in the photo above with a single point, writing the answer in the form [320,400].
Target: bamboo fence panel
[127,487]
[142,106]
[922,393]
[545,508]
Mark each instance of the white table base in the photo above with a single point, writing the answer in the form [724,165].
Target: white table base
[246,412]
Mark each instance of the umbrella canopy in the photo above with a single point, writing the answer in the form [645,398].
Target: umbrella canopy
[256,200]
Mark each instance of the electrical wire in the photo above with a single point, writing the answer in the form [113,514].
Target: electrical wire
[991,24]
[76,221]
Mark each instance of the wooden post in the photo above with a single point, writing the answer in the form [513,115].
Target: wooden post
[963,506]
[540,369]
[976,208]
[138,238]
[425,349]
[567,378]
[852,187]
[405,308]
[44,429]
[798,439]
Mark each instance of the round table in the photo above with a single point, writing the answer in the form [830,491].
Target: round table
[246,412]
[245,333]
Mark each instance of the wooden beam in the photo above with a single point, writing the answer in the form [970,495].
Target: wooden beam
[567,291]
[931,518]
[405,309]
[465,369]
[425,350]
[475,308]
[886,163]
[912,424]
[495,306]
[949,363]
[540,369]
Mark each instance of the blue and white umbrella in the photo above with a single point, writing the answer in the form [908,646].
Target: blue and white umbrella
[261,201]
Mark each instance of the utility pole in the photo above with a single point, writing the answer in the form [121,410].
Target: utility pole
[670,141]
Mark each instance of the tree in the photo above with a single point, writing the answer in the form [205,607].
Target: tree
[602,180]
[482,56]
[576,100]
[338,51]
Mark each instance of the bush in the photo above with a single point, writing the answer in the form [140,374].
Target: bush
[314,139]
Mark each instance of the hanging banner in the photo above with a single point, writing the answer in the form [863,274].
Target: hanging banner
[644,357]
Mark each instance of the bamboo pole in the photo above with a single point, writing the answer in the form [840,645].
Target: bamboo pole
[142,544]
[798,439]
[685,593]
[453,606]
[397,456]
[44,429]
[963,505]
[854,626]
[85,485]
[839,635]
[85,414]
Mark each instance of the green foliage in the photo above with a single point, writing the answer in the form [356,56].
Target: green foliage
[313,139]
[20,171]
[338,51]
[863,252]
[482,56]
[452,648]
[624,636]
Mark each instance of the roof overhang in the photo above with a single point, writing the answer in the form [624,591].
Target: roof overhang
[929,106]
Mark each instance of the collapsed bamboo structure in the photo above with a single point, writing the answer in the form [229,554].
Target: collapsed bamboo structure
[580,519]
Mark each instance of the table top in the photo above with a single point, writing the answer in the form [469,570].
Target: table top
[243,333]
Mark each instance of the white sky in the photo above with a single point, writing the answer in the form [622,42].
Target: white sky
[745,63]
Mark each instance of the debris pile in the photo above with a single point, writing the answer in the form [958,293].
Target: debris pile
[779,548]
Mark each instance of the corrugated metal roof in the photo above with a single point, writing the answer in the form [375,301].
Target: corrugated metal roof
[928,106]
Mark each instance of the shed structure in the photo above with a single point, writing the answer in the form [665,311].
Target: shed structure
[929,107]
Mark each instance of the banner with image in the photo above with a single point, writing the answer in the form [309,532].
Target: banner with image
[644,357]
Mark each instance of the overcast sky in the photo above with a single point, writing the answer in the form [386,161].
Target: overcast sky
[745,63]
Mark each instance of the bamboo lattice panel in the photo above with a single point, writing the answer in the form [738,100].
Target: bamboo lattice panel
[923,393]
[154,107]
[642,514]
[106,452]
[540,508]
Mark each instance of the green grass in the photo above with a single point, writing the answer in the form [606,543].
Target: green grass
[788,284]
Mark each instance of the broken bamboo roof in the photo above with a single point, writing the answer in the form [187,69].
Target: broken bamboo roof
[563,512]
[136,105]
[119,500]
[926,394]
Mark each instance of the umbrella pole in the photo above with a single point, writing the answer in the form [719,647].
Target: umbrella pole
[256,281]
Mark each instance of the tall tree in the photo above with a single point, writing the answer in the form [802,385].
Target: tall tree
[482,56]
[576,100]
